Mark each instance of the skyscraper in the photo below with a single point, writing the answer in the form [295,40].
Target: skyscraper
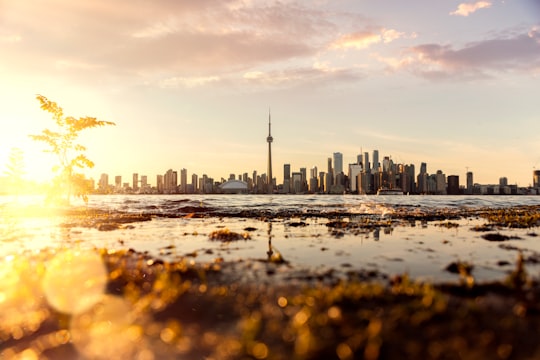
[338,163]
[135,182]
[375,166]
[269,140]
[183,181]
[536,178]
[470,183]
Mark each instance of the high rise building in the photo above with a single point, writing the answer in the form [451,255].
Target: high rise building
[286,178]
[118,182]
[183,181]
[354,170]
[195,182]
[144,181]
[269,140]
[440,183]
[159,184]
[170,182]
[470,183]
[338,163]
[103,184]
[536,178]
[422,179]
[135,182]
[321,181]
[365,163]
[375,167]
[453,185]
[313,172]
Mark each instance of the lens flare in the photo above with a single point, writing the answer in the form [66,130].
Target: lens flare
[74,281]
[107,330]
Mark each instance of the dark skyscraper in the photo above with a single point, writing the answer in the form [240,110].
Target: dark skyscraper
[269,139]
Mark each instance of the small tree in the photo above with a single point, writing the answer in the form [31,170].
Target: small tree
[70,154]
[15,170]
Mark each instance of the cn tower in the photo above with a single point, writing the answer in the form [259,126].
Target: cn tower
[269,140]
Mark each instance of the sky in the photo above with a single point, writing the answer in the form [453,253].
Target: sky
[190,84]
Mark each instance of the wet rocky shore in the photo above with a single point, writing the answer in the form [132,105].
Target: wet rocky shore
[70,303]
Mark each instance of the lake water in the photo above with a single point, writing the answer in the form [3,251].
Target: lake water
[296,226]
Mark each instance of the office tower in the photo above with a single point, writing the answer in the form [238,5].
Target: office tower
[536,178]
[313,185]
[313,172]
[329,181]
[170,182]
[118,182]
[303,171]
[135,182]
[338,163]
[386,164]
[470,182]
[297,183]
[453,185]
[269,140]
[375,166]
[286,178]
[365,163]
[159,184]
[144,181]
[103,184]
[411,185]
[321,181]
[503,181]
[440,180]
[354,170]
[286,172]
[195,182]
[183,181]
[422,179]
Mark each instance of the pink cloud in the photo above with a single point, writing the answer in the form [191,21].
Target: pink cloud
[479,59]
[366,38]
[465,9]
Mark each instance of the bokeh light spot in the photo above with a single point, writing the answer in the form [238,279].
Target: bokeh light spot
[74,281]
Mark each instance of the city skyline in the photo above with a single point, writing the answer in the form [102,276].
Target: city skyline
[334,168]
[449,83]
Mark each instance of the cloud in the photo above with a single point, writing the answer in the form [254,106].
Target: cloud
[520,52]
[164,38]
[318,73]
[188,82]
[366,38]
[465,9]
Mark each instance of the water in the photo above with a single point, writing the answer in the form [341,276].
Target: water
[295,226]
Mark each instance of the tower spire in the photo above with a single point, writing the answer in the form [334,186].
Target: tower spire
[269,140]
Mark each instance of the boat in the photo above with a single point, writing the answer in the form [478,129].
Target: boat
[387,191]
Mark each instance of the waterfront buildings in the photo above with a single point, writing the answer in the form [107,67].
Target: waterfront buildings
[362,177]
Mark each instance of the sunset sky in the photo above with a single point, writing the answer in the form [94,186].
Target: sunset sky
[190,83]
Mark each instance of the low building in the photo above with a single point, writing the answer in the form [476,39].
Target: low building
[234,187]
